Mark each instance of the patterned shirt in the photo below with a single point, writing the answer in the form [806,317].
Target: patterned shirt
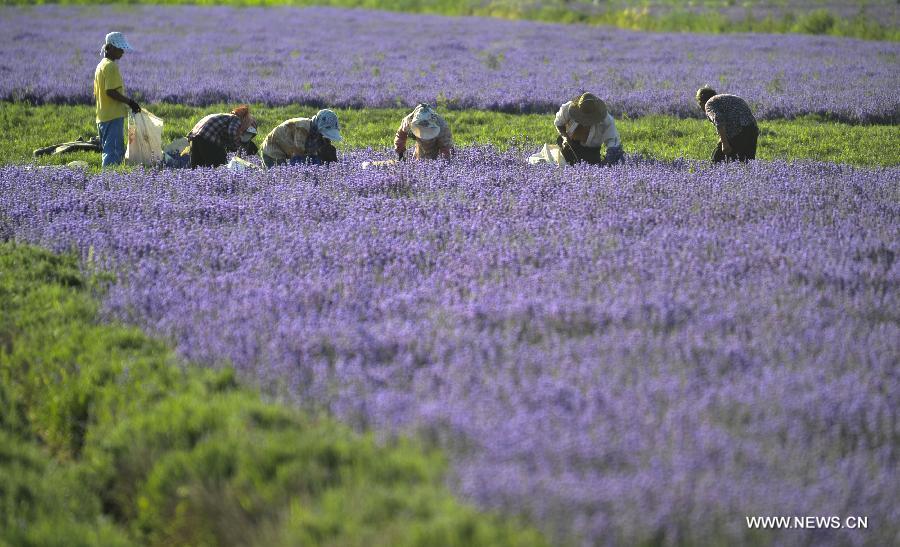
[442,144]
[220,129]
[730,113]
[598,134]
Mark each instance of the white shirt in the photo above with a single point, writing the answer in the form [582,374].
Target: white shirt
[600,133]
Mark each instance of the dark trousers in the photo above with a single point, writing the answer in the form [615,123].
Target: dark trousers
[576,152]
[207,154]
[743,146]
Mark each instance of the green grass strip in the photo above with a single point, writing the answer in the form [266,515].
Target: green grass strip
[106,438]
[629,14]
[29,127]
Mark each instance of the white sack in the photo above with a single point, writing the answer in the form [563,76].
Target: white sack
[144,139]
[550,153]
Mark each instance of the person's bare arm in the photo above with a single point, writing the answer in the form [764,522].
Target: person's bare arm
[116,95]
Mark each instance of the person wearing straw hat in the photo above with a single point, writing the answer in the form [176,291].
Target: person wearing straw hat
[429,130]
[217,134]
[112,103]
[584,126]
[303,140]
[734,122]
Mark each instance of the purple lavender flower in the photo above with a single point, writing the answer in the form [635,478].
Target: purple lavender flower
[647,353]
[358,58]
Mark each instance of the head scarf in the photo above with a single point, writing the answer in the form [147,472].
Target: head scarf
[243,112]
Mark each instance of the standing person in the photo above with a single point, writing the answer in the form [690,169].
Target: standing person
[303,140]
[734,123]
[584,126]
[217,134]
[112,104]
[429,130]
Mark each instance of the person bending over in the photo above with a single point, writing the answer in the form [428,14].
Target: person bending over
[430,132]
[217,134]
[734,122]
[584,127]
[303,140]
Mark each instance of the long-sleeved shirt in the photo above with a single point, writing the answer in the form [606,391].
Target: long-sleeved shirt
[599,134]
[430,149]
[729,113]
[220,129]
[288,139]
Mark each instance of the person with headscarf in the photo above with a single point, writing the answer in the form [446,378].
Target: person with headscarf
[112,103]
[734,123]
[585,126]
[430,132]
[303,140]
[217,134]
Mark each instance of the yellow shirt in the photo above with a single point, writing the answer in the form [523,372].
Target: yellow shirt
[107,77]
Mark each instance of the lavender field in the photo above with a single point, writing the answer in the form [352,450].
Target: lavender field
[358,58]
[627,355]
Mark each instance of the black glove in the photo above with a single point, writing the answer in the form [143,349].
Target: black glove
[135,107]
[251,148]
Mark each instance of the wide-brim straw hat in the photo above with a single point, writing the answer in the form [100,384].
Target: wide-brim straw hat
[588,109]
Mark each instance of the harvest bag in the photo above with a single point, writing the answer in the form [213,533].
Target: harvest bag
[144,139]
[550,153]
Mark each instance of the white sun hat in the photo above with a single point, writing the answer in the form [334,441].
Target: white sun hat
[117,39]
[424,123]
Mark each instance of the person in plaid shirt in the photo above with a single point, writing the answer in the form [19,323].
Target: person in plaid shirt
[217,134]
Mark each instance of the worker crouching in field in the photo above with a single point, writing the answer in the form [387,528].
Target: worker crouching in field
[217,134]
[303,140]
[112,104]
[584,126]
[734,123]
[429,130]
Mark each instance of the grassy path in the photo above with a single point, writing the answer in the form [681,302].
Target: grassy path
[29,127]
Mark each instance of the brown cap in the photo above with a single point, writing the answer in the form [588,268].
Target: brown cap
[588,109]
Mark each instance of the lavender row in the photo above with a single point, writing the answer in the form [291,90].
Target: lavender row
[358,58]
[626,354]
[885,11]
